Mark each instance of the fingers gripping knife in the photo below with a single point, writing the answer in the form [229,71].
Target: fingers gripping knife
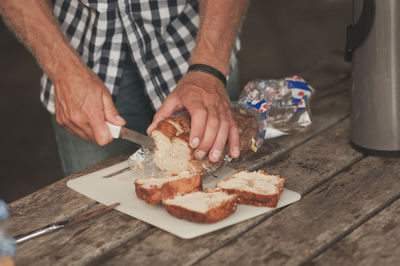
[133,136]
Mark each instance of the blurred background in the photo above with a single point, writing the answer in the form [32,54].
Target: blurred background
[279,38]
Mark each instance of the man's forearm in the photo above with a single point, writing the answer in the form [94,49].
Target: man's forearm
[219,23]
[35,25]
[204,96]
[82,102]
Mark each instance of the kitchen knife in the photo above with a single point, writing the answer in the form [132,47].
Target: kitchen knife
[124,133]
[55,226]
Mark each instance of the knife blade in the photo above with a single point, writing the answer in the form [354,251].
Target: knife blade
[55,226]
[133,136]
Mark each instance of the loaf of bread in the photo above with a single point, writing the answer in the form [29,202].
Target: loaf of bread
[155,189]
[173,153]
[180,188]
[202,207]
[254,188]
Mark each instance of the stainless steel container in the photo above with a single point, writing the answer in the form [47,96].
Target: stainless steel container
[373,46]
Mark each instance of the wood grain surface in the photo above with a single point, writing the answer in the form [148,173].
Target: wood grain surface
[82,242]
[304,167]
[321,218]
[376,242]
[53,203]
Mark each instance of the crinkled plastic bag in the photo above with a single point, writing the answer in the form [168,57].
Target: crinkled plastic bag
[282,106]
[142,164]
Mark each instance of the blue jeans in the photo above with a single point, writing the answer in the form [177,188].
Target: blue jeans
[134,106]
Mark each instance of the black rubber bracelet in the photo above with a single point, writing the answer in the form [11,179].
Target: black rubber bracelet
[209,70]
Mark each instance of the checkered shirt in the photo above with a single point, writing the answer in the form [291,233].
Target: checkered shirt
[158,35]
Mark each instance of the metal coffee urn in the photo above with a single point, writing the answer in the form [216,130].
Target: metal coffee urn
[373,46]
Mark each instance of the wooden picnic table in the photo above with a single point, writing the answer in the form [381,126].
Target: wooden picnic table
[349,213]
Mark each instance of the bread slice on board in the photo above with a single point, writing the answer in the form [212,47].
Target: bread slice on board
[202,206]
[254,188]
[154,189]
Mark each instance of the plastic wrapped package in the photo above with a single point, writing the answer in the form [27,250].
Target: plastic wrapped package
[282,106]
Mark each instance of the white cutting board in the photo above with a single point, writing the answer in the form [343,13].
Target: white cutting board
[120,188]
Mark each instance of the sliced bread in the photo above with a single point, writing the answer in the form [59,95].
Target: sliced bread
[254,188]
[155,189]
[202,206]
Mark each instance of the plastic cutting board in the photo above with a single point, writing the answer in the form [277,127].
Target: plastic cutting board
[120,188]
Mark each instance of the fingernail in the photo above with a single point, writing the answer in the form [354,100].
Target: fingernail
[149,129]
[215,155]
[119,118]
[195,143]
[236,152]
[200,155]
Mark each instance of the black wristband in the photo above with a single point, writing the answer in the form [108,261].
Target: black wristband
[209,70]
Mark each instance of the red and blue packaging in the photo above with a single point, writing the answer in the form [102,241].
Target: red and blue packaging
[281,106]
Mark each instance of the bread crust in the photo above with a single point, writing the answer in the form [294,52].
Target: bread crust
[167,129]
[249,198]
[213,215]
[155,194]
[252,198]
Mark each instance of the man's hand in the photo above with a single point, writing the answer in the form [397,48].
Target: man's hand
[206,100]
[83,104]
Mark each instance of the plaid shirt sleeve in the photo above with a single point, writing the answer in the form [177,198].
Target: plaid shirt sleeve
[158,35]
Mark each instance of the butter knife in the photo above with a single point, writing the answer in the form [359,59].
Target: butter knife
[55,226]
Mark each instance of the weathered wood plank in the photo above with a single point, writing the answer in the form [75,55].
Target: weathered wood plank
[82,242]
[53,203]
[310,164]
[319,219]
[376,242]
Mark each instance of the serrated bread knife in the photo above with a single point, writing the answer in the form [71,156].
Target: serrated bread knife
[133,136]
